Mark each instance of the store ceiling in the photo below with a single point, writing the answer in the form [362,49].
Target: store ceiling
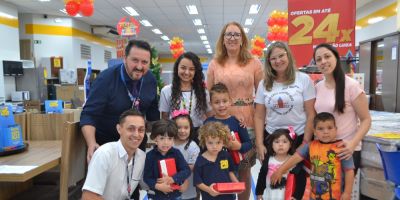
[172,18]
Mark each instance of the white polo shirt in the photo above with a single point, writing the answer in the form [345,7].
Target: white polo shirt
[107,173]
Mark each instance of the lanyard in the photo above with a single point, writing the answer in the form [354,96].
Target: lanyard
[135,100]
[128,180]
[190,101]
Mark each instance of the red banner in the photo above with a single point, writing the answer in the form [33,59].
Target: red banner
[121,43]
[320,21]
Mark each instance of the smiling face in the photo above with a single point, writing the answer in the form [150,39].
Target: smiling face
[164,143]
[186,70]
[325,60]
[281,145]
[326,131]
[183,128]
[131,132]
[279,60]
[137,62]
[232,38]
[220,103]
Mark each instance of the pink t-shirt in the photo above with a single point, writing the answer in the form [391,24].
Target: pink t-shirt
[347,122]
[241,81]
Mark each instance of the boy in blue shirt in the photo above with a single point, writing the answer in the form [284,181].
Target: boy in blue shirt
[163,133]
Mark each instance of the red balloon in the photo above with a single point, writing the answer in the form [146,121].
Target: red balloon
[270,22]
[87,8]
[270,36]
[72,8]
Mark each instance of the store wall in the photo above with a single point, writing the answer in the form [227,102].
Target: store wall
[9,49]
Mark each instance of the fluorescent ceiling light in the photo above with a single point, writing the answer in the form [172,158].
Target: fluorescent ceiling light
[44,0]
[78,15]
[164,37]
[201,31]
[7,15]
[192,9]
[209,51]
[197,22]
[246,30]
[145,22]
[249,21]
[207,46]
[157,31]
[358,27]
[63,11]
[381,45]
[130,11]
[254,9]
[203,37]
[375,20]
[206,42]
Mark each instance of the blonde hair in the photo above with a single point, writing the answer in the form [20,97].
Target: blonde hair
[270,74]
[214,129]
[221,53]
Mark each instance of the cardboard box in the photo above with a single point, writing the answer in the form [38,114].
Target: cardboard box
[47,126]
[32,106]
[65,92]
[75,112]
[373,173]
[228,188]
[376,189]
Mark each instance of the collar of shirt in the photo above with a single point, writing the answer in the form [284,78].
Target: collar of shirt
[128,81]
[170,151]
[122,152]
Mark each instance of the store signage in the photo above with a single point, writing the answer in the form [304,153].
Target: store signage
[121,43]
[128,27]
[320,21]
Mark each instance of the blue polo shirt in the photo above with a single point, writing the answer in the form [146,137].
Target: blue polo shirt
[208,172]
[151,171]
[108,99]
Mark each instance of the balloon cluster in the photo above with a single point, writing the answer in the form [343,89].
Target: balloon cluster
[176,47]
[84,6]
[257,46]
[277,26]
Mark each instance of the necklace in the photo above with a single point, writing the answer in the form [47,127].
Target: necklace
[190,101]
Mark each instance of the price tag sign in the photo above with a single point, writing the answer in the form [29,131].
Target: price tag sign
[4,111]
[320,21]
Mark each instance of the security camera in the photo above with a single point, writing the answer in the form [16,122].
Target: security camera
[45,16]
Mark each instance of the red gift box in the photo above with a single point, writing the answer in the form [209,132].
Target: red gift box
[236,155]
[168,167]
[227,188]
[290,186]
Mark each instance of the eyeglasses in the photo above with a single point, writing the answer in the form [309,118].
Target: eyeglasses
[235,35]
[275,58]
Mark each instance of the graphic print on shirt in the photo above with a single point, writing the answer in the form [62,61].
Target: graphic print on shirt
[282,102]
[325,182]
[224,164]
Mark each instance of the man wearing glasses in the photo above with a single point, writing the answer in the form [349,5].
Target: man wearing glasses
[117,167]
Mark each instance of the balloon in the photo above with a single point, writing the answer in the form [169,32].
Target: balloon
[87,8]
[271,22]
[72,8]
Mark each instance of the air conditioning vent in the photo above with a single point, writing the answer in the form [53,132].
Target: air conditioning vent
[105,31]
[107,56]
[86,51]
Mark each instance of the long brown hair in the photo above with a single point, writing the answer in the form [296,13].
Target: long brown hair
[221,53]
[270,74]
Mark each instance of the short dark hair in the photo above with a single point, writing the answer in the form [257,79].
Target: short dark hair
[130,112]
[322,117]
[164,127]
[141,44]
[219,88]
[275,135]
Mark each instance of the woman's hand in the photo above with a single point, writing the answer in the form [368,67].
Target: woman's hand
[346,150]
[261,151]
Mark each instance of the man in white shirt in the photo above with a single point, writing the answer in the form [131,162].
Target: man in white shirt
[117,167]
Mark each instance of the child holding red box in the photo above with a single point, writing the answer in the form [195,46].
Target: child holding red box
[164,186]
[240,142]
[214,165]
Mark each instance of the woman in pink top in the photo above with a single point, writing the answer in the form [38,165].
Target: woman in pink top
[235,67]
[342,96]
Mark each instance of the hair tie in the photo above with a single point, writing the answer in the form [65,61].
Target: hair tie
[177,113]
[292,134]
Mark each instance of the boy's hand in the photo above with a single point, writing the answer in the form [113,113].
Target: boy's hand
[167,179]
[345,196]
[259,197]
[234,145]
[276,177]
[163,187]
[211,190]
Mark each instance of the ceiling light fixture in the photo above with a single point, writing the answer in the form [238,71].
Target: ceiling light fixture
[203,37]
[375,20]
[164,37]
[246,30]
[249,21]
[207,46]
[63,11]
[192,9]
[381,45]
[358,27]
[206,42]
[2,14]
[145,23]
[197,22]
[44,0]
[78,15]
[130,11]
[209,51]
[254,9]
[201,31]
[157,31]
